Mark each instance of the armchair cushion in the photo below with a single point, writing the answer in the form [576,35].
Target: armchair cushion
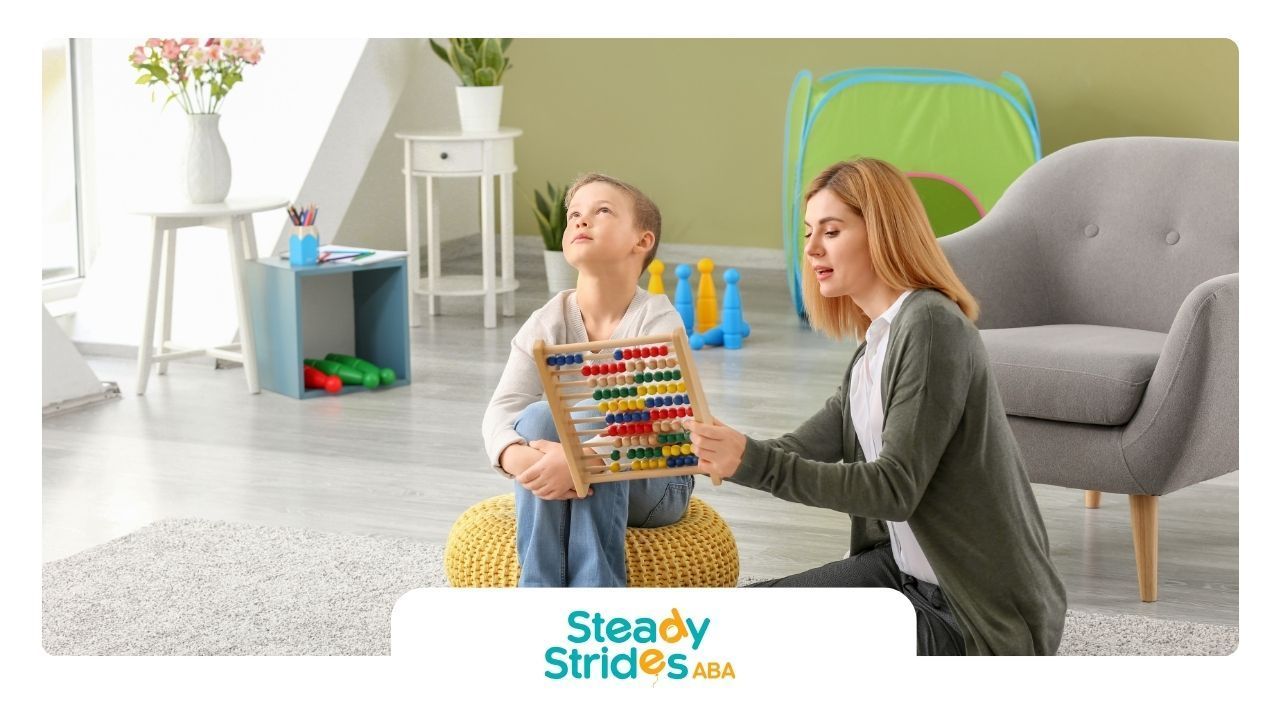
[1089,374]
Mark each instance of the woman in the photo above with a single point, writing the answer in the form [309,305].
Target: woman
[914,445]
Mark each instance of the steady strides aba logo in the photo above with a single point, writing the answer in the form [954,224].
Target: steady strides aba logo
[599,648]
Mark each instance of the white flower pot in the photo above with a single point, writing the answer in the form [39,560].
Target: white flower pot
[479,108]
[207,164]
[560,274]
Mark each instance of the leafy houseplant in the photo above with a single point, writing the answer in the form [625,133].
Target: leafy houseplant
[199,76]
[552,222]
[480,64]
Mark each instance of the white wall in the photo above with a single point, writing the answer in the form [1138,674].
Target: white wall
[305,124]
[272,124]
[64,374]
[377,217]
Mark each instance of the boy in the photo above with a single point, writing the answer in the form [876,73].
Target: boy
[563,541]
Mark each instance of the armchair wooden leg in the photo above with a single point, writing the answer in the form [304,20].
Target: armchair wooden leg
[1092,499]
[1144,516]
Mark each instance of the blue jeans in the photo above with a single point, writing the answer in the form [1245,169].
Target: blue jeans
[582,542]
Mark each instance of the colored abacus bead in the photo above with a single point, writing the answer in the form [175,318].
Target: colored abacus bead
[615,455]
[617,355]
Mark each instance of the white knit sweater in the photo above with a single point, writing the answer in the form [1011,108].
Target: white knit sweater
[558,322]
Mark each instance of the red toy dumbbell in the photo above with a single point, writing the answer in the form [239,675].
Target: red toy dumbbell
[314,379]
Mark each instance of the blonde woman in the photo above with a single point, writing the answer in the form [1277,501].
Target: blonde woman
[914,445]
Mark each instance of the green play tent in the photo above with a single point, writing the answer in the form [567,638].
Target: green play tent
[962,140]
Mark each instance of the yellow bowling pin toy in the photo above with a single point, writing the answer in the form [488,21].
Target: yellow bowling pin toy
[708,315]
[655,277]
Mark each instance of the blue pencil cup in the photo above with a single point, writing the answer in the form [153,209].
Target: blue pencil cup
[304,245]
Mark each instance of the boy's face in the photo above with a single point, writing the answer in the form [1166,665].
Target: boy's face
[601,228]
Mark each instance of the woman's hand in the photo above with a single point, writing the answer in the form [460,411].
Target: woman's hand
[719,447]
[549,477]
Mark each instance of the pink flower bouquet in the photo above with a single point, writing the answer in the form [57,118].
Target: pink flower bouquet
[198,76]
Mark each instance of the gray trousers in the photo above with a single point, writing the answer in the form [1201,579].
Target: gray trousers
[937,632]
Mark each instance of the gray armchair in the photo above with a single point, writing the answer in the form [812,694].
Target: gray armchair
[1108,283]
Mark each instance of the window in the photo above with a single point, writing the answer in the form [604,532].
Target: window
[63,249]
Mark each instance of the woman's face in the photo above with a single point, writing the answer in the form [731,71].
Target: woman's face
[836,246]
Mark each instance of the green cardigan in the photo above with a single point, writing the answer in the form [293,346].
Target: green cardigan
[950,466]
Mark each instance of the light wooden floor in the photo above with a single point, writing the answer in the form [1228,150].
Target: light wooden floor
[407,462]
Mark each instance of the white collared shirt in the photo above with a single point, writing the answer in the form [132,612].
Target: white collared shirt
[866,408]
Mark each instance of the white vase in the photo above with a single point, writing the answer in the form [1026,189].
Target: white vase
[479,108]
[560,274]
[207,165]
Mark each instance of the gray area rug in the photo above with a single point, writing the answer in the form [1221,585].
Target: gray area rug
[197,587]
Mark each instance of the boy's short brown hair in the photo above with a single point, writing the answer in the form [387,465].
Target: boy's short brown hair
[648,217]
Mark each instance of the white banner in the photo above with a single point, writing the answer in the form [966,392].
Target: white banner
[476,640]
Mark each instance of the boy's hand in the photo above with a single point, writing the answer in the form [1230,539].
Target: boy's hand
[719,447]
[549,478]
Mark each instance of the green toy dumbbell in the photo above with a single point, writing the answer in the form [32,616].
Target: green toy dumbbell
[387,376]
[349,376]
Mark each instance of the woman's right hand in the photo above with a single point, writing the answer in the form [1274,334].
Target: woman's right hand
[719,448]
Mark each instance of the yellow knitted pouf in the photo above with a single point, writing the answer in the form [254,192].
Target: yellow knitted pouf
[697,551]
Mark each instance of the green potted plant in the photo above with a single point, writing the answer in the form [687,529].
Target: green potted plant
[549,211]
[480,64]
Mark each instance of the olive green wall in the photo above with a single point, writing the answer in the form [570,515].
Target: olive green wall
[698,124]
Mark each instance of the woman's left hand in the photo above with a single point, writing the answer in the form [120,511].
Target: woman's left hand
[719,447]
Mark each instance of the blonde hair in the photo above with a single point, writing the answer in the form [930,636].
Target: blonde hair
[647,216]
[904,251]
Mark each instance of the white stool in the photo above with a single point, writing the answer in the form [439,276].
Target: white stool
[236,218]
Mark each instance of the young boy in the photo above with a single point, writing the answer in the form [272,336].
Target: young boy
[563,541]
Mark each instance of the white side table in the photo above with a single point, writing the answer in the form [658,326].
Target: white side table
[437,154]
[236,218]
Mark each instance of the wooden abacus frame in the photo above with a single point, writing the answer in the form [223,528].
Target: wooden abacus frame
[566,385]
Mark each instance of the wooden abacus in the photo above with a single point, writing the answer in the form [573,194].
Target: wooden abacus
[642,390]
